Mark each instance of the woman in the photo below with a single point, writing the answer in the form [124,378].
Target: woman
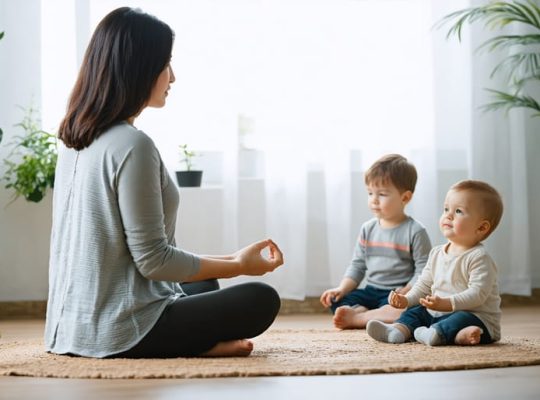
[115,272]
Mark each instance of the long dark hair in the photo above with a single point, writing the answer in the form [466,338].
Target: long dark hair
[127,52]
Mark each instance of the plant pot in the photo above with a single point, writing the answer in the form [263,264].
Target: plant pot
[189,178]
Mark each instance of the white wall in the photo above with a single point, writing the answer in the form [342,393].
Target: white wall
[24,227]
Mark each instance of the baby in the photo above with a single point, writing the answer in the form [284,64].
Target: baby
[456,299]
[391,251]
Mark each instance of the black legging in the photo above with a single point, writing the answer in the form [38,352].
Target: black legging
[194,324]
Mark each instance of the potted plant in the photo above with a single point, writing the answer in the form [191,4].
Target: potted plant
[188,177]
[32,162]
[522,66]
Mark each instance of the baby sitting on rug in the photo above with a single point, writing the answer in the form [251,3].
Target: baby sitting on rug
[391,251]
[456,299]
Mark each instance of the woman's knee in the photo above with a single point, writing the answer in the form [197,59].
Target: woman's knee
[264,296]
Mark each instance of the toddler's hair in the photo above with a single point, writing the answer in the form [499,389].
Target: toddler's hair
[394,169]
[492,204]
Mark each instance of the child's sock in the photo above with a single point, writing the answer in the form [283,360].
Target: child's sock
[428,336]
[384,332]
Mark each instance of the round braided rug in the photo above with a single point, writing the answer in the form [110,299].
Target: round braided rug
[278,353]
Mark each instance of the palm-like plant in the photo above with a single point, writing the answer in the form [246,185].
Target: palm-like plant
[520,68]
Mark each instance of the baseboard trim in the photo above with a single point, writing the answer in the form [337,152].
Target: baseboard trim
[509,300]
[23,309]
[310,305]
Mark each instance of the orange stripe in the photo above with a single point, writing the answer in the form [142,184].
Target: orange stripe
[387,245]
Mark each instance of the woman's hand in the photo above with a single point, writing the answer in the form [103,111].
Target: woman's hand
[247,261]
[331,296]
[253,263]
[436,303]
[397,300]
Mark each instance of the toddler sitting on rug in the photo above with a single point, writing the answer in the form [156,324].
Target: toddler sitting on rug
[391,251]
[456,299]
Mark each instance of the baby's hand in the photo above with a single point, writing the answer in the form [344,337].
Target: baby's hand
[397,300]
[436,303]
[403,289]
[331,296]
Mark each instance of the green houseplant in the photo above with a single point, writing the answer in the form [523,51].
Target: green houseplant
[32,161]
[188,177]
[522,67]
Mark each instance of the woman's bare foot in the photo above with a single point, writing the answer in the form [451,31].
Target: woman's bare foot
[468,336]
[347,317]
[232,348]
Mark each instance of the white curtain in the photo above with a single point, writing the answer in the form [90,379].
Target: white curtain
[291,100]
[498,154]
[500,148]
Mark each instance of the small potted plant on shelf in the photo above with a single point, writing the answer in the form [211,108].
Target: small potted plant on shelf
[188,177]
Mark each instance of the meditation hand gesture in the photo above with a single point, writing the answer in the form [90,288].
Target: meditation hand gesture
[436,303]
[252,262]
[397,300]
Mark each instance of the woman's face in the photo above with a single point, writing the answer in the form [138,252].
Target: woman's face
[161,88]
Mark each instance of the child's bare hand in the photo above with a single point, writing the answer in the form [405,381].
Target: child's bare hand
[436,303]
[397,300]
[331,296]
[403,290]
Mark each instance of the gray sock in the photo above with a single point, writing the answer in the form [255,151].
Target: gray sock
[428,336]
[382,332]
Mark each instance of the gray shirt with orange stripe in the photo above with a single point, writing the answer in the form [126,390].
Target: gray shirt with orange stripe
[389,257]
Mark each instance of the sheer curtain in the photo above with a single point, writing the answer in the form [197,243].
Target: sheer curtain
[289,101]
[500,149]
[499,154]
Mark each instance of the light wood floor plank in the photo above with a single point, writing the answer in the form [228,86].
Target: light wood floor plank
[499,383]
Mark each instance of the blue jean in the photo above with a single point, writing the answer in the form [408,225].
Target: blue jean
[369,297]
[447,326]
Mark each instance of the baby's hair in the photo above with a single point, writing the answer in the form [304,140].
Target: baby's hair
[492,204]
[394,169]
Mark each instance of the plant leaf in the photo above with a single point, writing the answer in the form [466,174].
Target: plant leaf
[507,101]
[519,67]
[506,41]
[494,14]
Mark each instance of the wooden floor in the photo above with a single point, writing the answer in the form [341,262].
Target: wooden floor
[498,383]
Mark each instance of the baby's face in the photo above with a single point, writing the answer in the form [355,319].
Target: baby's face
[385,201]
[462,219]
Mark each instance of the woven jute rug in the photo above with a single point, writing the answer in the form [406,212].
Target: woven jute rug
[278,353]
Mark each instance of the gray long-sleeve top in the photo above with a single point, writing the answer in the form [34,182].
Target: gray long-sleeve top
[113,262]
[389,257]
